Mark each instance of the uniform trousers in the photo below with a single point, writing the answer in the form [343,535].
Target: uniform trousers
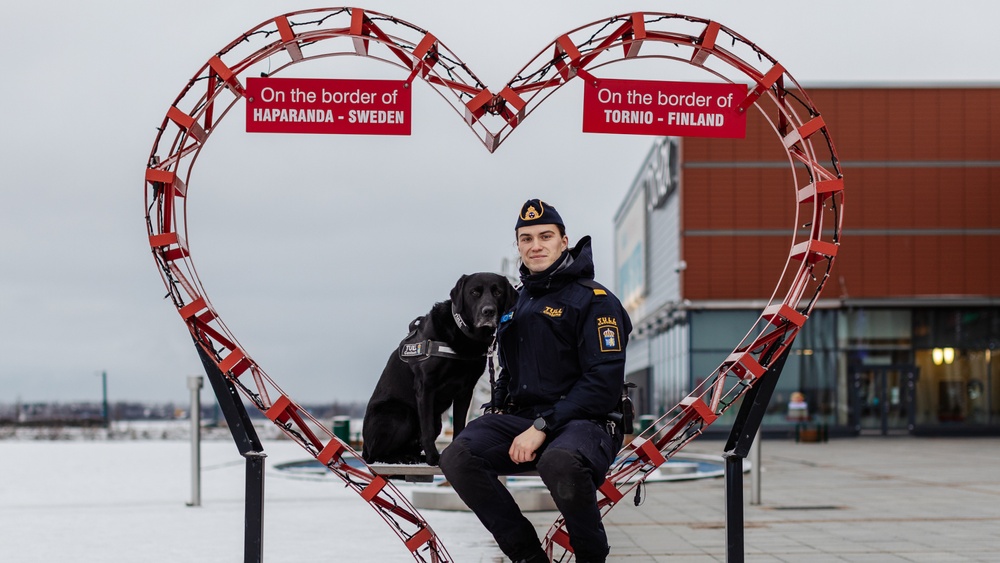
[572,463]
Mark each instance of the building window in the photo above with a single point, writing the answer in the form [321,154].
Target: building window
[959,382]
[806,389]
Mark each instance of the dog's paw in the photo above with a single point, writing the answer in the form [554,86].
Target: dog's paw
[433,458]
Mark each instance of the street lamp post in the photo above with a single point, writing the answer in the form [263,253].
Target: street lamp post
[194,383]
[104,401]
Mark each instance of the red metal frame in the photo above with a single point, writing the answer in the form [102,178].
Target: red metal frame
[313,34]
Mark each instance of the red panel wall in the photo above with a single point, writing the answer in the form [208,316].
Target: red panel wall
[922,198]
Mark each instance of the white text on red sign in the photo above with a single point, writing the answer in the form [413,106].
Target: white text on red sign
[646,107]
[328,106]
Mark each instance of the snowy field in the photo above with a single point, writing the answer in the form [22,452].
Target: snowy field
[126,501]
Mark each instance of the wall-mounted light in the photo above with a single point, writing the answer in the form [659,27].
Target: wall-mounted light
[943,356]
[937,355]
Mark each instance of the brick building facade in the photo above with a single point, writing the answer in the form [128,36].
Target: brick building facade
[905,335]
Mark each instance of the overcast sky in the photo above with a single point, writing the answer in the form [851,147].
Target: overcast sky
[318,250]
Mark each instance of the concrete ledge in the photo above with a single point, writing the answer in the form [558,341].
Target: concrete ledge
[419,472]
[393,469]
[530,499]
[411,473]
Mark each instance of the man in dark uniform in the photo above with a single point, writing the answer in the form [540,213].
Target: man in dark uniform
[562,359]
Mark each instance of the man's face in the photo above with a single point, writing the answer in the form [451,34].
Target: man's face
[540,246]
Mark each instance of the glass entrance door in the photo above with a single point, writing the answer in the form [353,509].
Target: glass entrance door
[884,399]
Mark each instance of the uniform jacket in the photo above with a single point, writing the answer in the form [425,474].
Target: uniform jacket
[562,346]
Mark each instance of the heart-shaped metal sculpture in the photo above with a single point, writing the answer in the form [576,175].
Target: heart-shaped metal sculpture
[309,35]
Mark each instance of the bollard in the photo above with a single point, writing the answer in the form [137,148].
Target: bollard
[342,428]
[194,383]
[645,421]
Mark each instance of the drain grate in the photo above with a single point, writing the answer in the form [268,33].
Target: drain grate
[722,525]
[807,507]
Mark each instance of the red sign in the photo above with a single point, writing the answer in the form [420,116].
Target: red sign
[646,107]
[329,106]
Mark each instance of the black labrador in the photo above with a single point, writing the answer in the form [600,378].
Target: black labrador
[438,364]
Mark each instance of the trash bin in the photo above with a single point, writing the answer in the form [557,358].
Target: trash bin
[342,428]
[645,421]
[811,432]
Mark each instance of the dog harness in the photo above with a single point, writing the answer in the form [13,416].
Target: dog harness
[411,349]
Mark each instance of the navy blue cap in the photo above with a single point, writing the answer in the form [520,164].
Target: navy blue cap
[537,212]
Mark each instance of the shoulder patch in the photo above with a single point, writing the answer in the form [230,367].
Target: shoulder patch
[600,292]
[607,333]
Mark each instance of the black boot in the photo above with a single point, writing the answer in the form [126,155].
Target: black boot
[537,557]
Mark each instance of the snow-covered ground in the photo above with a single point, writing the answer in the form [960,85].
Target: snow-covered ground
[126,501]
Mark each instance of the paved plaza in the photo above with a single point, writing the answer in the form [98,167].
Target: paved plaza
[850,499]
[877,499]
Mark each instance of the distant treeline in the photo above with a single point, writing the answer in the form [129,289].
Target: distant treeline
[92,413]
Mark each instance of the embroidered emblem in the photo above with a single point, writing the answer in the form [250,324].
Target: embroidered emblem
[531,213]
[552,312]
[507,316]
[607,331]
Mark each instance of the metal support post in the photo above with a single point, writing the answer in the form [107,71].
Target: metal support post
[755,471]
[734,508]
[194,383]
[253,539]
[250,448]
[745,428]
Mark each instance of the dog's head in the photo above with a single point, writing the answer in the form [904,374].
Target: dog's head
[479,299]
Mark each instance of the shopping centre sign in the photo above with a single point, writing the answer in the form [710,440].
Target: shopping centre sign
[649,107]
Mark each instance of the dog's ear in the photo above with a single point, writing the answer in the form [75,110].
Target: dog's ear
[510,294]
[458,293]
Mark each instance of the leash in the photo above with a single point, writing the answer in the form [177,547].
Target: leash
[488,408]
[489,362]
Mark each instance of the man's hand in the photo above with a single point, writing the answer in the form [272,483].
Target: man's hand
[523,448]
